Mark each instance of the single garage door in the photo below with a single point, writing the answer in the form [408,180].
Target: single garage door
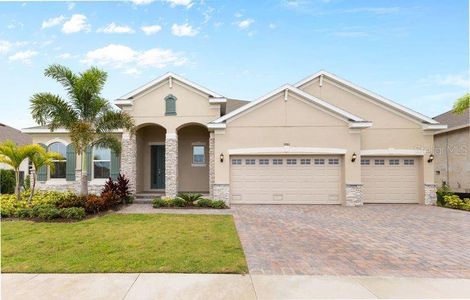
[285,179]
[390,179]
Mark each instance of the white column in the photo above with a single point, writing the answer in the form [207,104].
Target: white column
[171,164]
[211,164]
[129,159]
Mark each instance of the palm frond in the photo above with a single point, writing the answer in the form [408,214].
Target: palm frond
[462,104]
[112,120]
[63,75]
[51,110]
[87,90]
[108,140]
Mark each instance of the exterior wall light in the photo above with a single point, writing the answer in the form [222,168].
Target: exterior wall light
[353,158]
[221,157]
[431,158]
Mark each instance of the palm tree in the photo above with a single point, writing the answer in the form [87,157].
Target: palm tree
[14,155]
[89,118]
[462,104]
[39,159]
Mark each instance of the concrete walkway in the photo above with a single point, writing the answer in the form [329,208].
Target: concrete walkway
[148,209]
[221,286]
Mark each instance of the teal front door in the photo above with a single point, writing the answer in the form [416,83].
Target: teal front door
[157,166]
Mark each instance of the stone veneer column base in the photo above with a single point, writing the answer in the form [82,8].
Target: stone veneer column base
[221,192]
[171,165]
[354,195]
[129,160]
[430,197]
[211,164]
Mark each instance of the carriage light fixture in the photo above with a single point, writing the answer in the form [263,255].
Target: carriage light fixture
[431,158]
[354,156]
[221,157]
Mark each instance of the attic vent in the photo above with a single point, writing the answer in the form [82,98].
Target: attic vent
[170,105]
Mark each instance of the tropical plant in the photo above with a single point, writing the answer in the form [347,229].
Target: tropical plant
[42,158]
[7,181]
[14,155]
[462,104]
[89,118]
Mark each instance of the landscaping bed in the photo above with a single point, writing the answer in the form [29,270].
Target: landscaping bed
[446,198]
[188,200]
[124,243]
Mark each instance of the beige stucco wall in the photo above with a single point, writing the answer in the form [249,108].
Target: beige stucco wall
[452,159]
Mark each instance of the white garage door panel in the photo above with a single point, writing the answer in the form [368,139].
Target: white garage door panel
[390,183]
[285,184]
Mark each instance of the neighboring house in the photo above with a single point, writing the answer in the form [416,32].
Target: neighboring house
[15,135]
[322,140]
[452,148]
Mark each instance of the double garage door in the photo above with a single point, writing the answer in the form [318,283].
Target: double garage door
[286,179]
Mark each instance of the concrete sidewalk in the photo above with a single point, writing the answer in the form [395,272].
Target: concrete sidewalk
[221,286]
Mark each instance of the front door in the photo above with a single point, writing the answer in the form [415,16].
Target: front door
[157,166]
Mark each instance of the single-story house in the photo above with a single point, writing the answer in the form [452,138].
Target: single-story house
[19,138]
[452,151]
[323,140]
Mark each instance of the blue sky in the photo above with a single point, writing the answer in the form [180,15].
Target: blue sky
[413,52]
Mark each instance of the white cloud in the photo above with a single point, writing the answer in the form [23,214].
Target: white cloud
[183,30]
[151,29]
[114,28]
[52,22]
[5,46]
[244,24]
[70,5]
[124,57]
[459,80]
[185,3]
[142,2]
[272,26]
[76,23]
[238,15]
[23,56]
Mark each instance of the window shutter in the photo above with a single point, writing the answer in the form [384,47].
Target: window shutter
[71,163]
[170,105]
[115,165]
[42,172]
[89,160]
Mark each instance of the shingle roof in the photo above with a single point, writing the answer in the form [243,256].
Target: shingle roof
[454,120]
[10,133]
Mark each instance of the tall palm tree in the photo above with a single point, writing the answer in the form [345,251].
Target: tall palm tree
[89,118]
[14,155]
[39,159]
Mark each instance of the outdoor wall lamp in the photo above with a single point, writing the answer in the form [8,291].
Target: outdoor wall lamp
[353,157]
[431,158]
[221,157]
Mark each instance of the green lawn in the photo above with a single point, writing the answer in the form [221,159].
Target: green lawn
[124,243]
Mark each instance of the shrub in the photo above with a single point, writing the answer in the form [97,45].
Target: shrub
[110,199]
[218,204]
[7,181]
[23,213]
[159,202]
[27,183]
[203,202]
[109,186]
[71,201]
[94,204]
[189,198]
[444,190]
[177,202]
[453,201]
[75,213]
[122,189]
[45,211]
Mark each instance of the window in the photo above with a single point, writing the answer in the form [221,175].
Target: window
[250,161]
[101,162]
[291,161]
[409,162]
[319,161]
[394,162]
[236,161]
[60,165]
[365,161]
[170,105]
[379,162]
[305,161]
[333,161]
[277,161]
[199,157]
[264,161]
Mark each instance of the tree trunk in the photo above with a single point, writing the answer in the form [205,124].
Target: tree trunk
[84,177]
[17,185]
[31,194]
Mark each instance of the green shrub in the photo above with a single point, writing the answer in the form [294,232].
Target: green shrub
[71,200]
[177,202]
[23,213]
[444,190]
[75,213]
[45,212]
[454,201]
[27,183]
[9,205]
[218,204]
[203,202]
[190,198]
[159,202]
[7,181]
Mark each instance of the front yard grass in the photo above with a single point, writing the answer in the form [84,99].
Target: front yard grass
[124,243]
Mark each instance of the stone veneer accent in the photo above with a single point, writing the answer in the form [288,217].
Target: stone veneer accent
[430,197]
[221,192]
[354,195]
[72,186]
[171,165]
[128,159]
[211,163]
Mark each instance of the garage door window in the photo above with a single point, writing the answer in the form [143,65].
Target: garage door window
[365,162]
[333,161]
[277,161]
[236,161]
[379,162]
[264,161]
[394,162]
[305,161]
[291,161]
[250,161]
[319,161]
[409,162]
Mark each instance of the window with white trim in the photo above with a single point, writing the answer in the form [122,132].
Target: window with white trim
[319,161]
[264,161]
[101,162]
[408,162]
[250,161]
[291,161]
[199,156]
[365,162]
[277,161]
[236,161]
[333,161]
[60,165]
[379,162]
[305,161]
[393,162]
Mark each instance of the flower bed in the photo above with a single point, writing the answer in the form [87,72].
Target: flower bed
[188,200]
[446,198]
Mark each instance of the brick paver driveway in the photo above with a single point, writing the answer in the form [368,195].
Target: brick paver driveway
[380,240]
